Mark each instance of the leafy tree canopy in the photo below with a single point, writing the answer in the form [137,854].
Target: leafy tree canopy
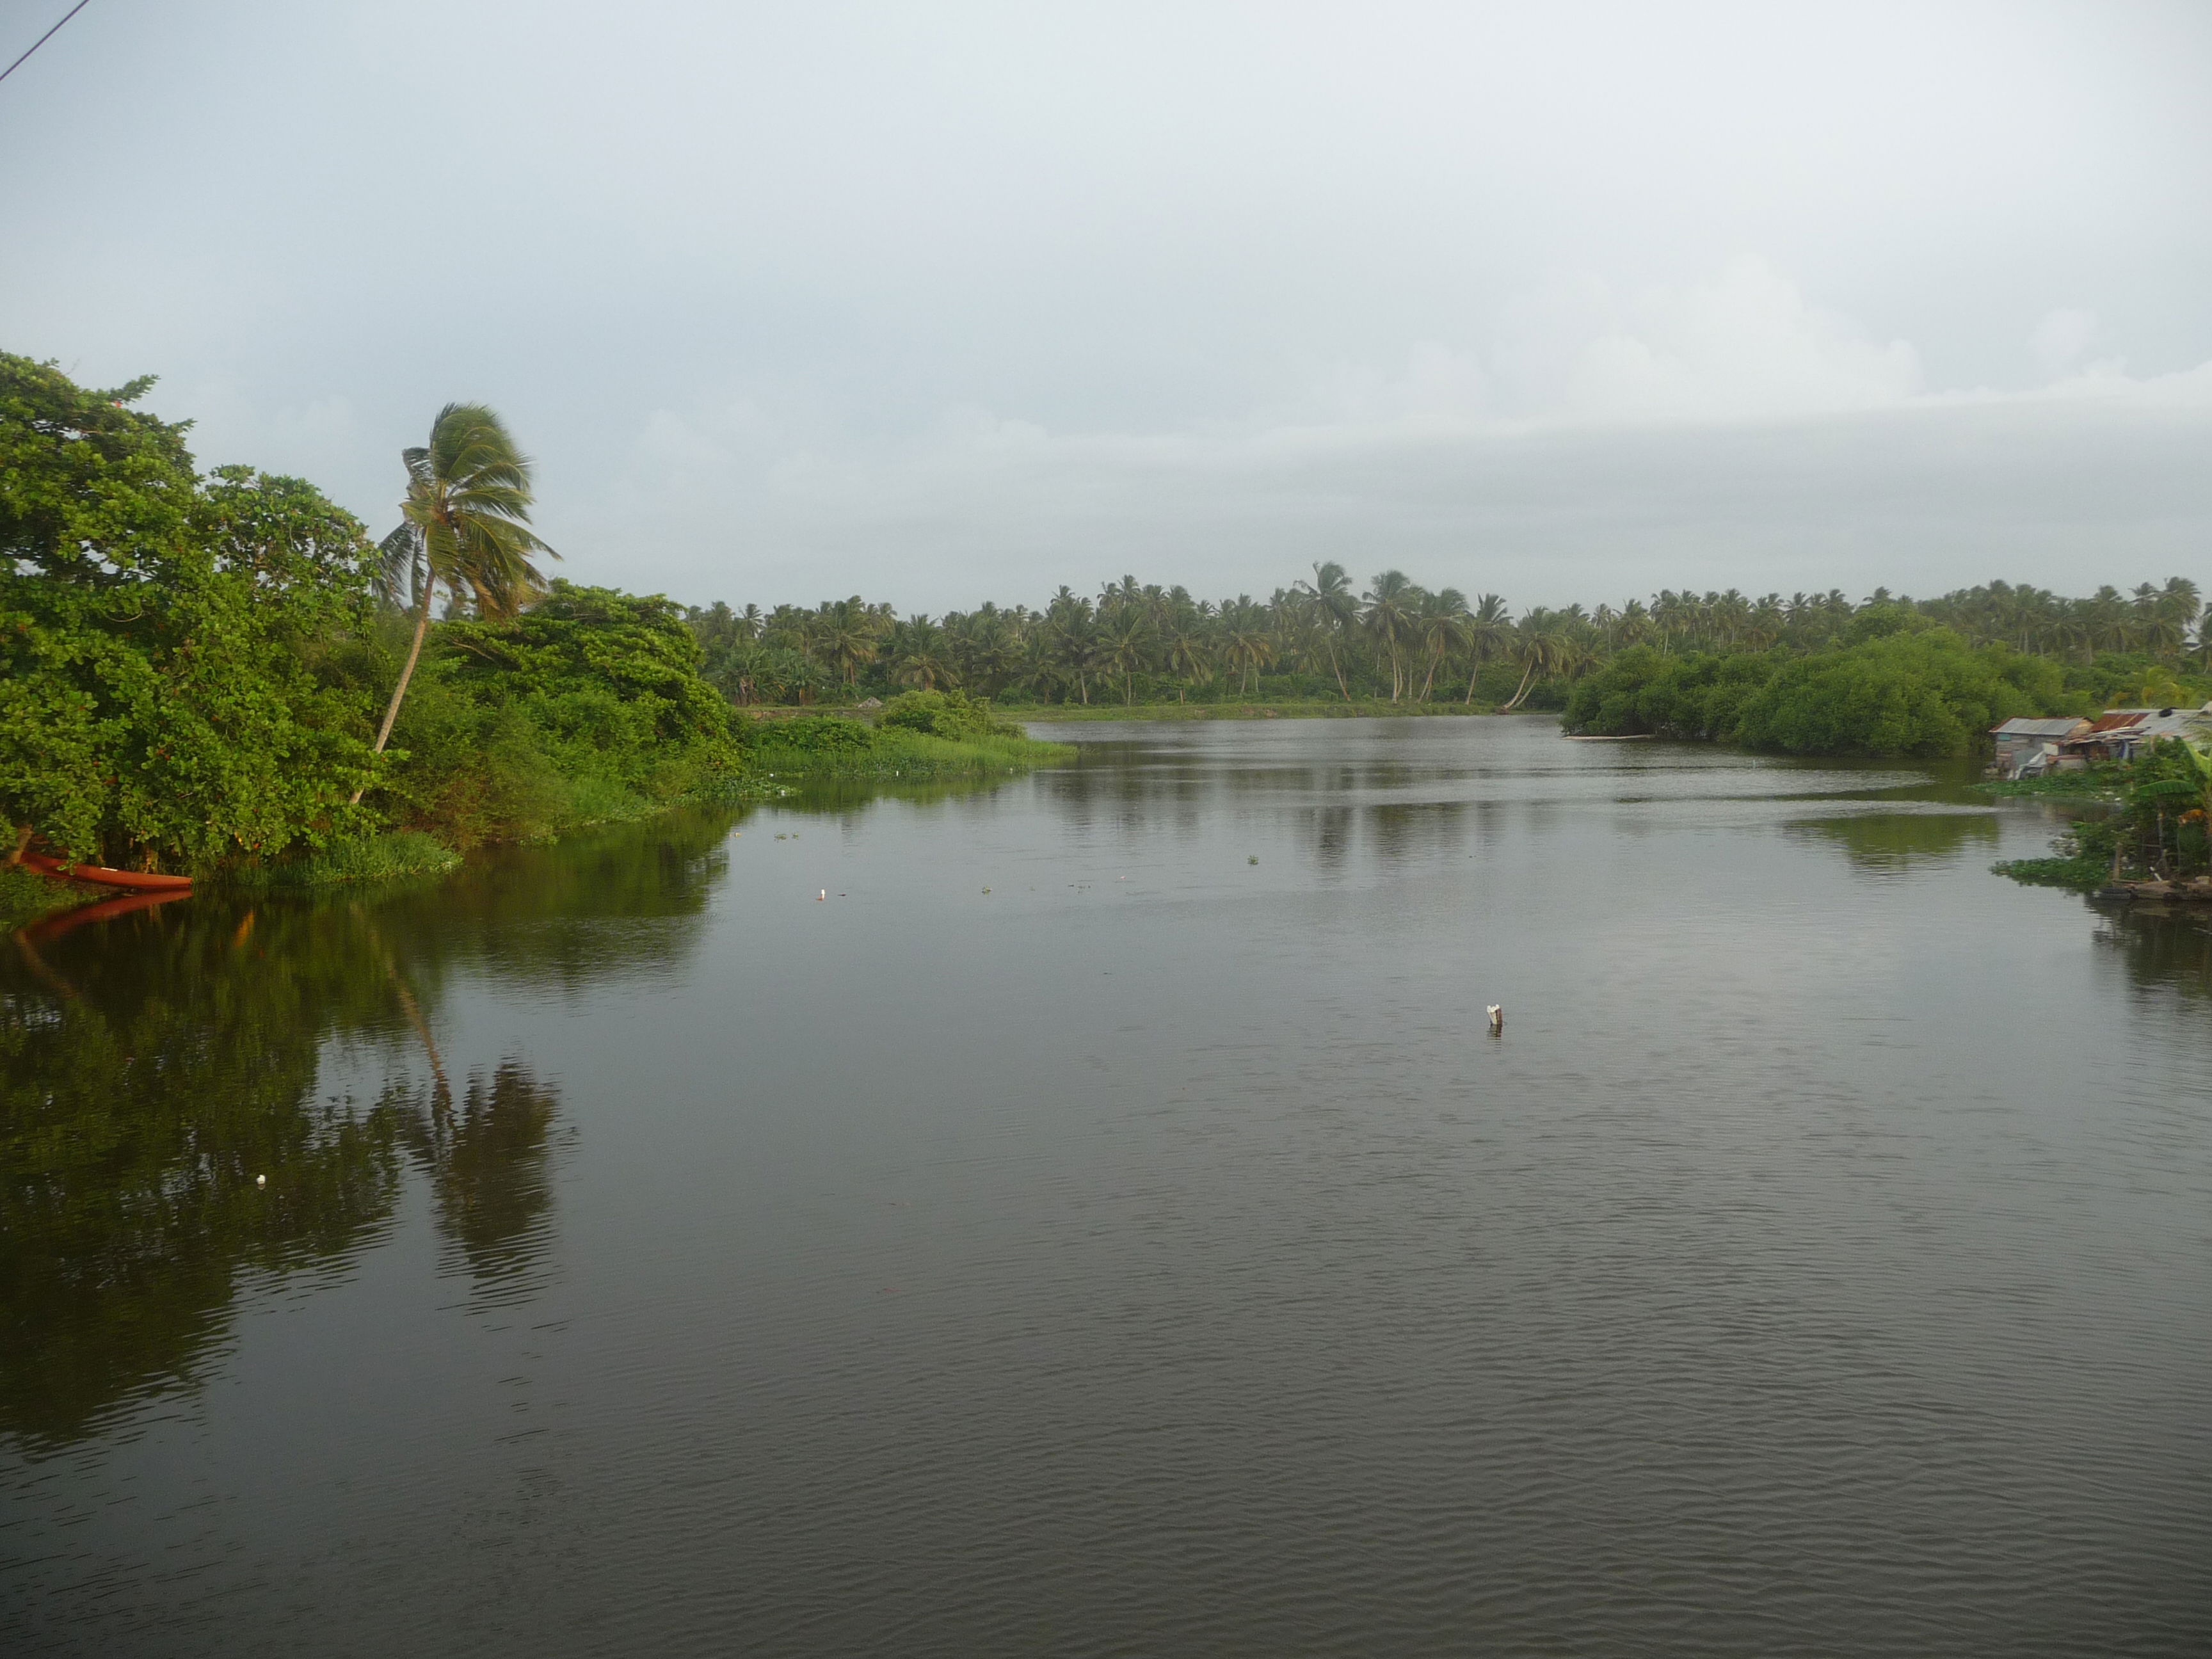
[162,697]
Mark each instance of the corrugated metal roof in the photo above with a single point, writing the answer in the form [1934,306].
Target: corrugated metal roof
[2022,728]
[2140,723]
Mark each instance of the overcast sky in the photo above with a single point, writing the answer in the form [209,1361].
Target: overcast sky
[944,302]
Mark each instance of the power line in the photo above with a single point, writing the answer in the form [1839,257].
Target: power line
[42,39]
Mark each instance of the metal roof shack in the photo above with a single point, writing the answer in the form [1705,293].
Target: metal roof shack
[2027,747]
[2124,733]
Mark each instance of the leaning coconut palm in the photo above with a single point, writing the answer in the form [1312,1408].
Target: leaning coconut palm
[465,527]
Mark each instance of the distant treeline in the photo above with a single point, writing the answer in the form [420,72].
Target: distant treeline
[1396,641]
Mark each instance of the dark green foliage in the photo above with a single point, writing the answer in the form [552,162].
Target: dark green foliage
[391,856]
[1923,692]
[191,669]
[1913,689]
[813,734]
[1642,692]
[946,714]
[2105,780]
[590,706]
[167,696]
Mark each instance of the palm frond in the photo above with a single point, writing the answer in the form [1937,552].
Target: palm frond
[399,563]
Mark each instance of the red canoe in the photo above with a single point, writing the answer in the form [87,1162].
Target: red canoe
[137,881]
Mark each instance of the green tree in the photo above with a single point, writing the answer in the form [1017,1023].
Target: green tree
[168,687]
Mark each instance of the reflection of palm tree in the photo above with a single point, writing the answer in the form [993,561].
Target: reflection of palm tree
[123,1255]
[464,526]
[488,1169]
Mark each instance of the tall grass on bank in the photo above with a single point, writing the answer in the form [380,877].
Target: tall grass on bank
[820,746]
[374,858]
[1285,709]
[26,895]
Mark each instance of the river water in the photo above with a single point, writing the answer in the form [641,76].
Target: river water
[1088,1215]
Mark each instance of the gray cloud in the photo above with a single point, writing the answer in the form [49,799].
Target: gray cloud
[944,302]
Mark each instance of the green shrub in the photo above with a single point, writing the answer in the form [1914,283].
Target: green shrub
[1641,692]
[1923,692]
[944,714]
[812,734]
[371,858]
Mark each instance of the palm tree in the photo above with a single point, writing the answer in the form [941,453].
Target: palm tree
[1246,644]
[1441,621]
[1389,618]
[847,633]
[1068,640]
[1540,646]
[918,655]
[1489,628]
[1187,660]
[1330,591]
[1125,644]
[465,527]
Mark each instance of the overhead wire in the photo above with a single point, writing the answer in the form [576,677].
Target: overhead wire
[42,39]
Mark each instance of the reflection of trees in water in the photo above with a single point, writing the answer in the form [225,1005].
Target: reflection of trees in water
[1335,804]
[2164,948]
[486,1156]
[152,1067]
[1897,840]
[566,913]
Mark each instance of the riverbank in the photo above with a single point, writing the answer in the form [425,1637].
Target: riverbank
[828,746]
[1058,713]
[26,896]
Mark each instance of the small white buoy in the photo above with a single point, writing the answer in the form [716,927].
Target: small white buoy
[824,894]
[261,1180]
[1497,1017]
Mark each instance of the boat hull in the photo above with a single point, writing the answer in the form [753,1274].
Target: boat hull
[133,881]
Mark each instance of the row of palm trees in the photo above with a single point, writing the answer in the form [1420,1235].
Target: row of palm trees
[1395,639]
[1392,639]
[465,530]
[2154,621]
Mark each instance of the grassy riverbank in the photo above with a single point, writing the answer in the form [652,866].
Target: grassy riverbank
[1310,708]
[2103,782]
[26,895]
[917,734]
[826,747]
